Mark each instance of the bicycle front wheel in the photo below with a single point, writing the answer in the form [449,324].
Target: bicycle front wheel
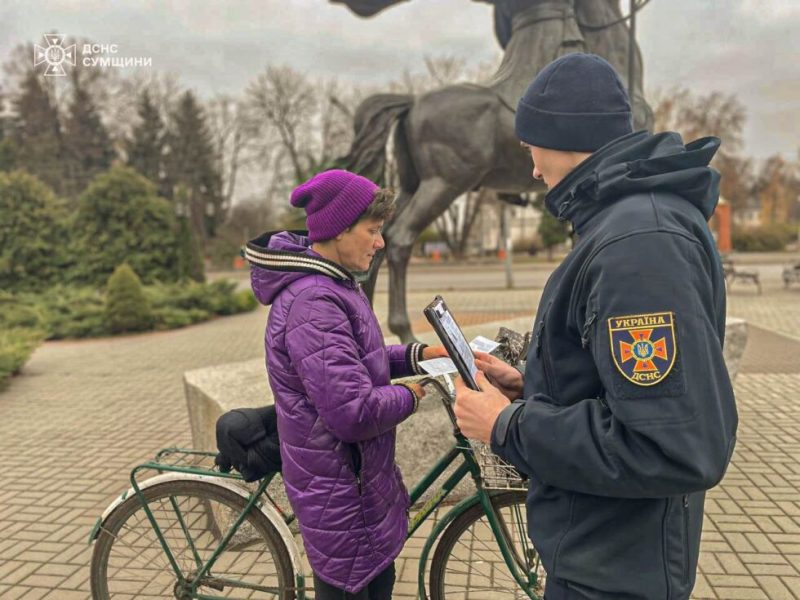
[129,561]
[468,565]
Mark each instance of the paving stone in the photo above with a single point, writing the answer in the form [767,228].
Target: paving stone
[742,593]
[760,542]
[779,569]
[14,592]
[775,588]
[21,572]
[57,569]
[36,593]
[46,581]
[702,589]
[65,595]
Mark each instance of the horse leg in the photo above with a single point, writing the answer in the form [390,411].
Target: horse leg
[430,199]
[399,323]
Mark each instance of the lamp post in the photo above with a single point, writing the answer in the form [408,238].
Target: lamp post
[631,49]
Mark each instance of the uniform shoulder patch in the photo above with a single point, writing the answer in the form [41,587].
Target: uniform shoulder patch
[643,346]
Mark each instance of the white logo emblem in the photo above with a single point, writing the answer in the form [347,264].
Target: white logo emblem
[54,55]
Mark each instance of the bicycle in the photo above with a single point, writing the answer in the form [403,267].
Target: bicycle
[193,532]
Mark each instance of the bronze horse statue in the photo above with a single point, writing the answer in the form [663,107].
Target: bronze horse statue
[461,137]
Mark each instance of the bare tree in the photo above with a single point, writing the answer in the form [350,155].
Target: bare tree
[249,217]
[722,115]
[119,109]
[778,190]
[299,125]
[284,100]
[337,106]
[232,134]
[456,223]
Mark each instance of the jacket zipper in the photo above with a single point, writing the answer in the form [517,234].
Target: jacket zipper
[586,327]
[686,539]
[365,300]
[357,465]
[541,351]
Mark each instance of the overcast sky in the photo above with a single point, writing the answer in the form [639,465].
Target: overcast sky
[744,47]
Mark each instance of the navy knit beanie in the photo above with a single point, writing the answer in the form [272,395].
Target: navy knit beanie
[576,103]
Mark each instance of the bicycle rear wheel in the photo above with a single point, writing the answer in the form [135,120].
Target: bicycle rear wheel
[129,562]
[467,563]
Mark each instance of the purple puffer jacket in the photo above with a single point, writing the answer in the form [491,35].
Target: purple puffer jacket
[337,411]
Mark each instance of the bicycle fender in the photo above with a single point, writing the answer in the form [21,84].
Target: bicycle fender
[265,509]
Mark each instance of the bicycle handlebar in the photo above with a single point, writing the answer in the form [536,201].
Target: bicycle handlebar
[445,397]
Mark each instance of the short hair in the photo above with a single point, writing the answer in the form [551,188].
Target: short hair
[381,208]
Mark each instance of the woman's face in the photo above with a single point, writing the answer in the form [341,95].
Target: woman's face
[357,246]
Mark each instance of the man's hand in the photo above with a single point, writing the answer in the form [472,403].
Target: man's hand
[434,352]
[502,375]
[476,412]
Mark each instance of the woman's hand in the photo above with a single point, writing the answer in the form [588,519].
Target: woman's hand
[502,375]
[434,352]
[417,388]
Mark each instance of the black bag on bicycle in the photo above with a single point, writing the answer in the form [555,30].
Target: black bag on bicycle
[247,440]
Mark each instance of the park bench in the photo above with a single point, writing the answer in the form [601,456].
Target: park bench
[791,274]
[732,273]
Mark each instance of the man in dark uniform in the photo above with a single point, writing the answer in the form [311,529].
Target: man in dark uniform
[625,415]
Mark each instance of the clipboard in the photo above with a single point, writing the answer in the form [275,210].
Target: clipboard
[446,327]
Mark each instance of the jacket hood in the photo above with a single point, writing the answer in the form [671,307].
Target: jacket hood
[637,163]
[278,259]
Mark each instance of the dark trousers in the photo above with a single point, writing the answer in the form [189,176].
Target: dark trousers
[379,588]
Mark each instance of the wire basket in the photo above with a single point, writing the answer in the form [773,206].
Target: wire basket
[496,473]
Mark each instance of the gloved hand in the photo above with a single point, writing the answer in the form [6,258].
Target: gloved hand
[247,439]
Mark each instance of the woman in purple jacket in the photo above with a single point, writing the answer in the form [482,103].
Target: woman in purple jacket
[331,373]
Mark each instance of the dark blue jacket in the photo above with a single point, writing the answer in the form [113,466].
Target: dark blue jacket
[628,414]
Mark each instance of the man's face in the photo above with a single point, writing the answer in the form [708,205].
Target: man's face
[357,246]
[551,166]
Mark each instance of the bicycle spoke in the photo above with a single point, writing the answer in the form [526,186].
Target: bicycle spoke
[478,570]
[136,556]
[186,533]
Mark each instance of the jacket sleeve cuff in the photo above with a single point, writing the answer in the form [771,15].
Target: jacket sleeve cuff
[414,357]
[505,420]
[414,398]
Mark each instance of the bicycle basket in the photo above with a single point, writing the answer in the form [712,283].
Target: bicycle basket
[496,473]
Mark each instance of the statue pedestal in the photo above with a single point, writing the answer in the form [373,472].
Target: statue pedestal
[421,439]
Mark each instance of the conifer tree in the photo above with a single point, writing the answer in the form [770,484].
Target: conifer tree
[191,165]
[37,136]
[127,308]
[87,141]
[145,148]
[552,232]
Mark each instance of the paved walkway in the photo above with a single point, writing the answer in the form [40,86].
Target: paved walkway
[83,413]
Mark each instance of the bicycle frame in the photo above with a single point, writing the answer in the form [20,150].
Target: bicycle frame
[461,449]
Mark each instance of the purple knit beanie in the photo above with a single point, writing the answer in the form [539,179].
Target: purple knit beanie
[333,201]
